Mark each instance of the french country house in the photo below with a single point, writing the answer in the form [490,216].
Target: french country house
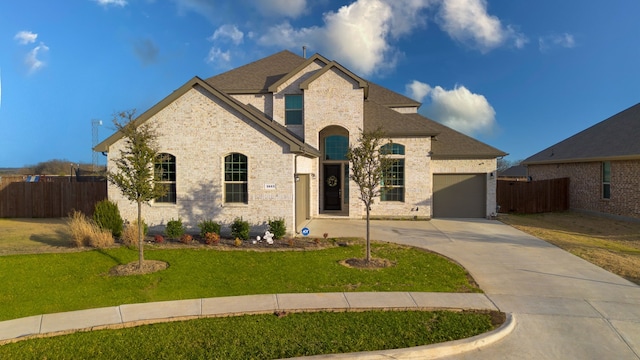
[602,163]
[269,139]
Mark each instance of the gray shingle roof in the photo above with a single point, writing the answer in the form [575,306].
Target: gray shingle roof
[615,138]
[256,77]
[451,144]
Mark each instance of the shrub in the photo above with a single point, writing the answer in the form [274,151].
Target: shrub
[237,242]
[107,216]
[130,233]
[85,232]
[186,238]
[211,238]
[174,228]
[240,229]
[209,226]
[158,238]
[277,228]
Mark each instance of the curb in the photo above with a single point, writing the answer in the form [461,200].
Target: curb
[433,351]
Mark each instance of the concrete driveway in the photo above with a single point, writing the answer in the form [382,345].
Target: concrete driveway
[565,307]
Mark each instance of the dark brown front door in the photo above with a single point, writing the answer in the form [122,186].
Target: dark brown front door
[332,193]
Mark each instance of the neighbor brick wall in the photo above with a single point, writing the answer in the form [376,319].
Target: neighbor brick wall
[585,186]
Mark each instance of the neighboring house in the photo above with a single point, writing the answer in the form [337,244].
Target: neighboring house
[269,140]
[514,173]
[602,162]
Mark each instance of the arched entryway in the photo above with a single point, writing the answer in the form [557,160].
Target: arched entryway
[334,171]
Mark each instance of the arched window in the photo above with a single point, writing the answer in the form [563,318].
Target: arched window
[336,147]
[235,178]
[392,149]
[165,168]
[393,178]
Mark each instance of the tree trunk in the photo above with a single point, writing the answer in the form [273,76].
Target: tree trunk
[140,242]
[368,258]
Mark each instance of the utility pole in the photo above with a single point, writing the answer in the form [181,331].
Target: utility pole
[94,127]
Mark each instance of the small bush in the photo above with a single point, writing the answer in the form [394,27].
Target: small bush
[208,226]
[174,228]
[211,238]
[277,228]
[107,216]
[158,238]
[130,233]
[186,239]
[85,232]
[101,238]
[237,242]
[240,229]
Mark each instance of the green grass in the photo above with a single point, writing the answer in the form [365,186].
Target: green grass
[258,336]
[48,283]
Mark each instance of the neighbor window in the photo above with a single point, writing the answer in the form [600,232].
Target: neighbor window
[165,168]
[393,178]
[235,178]
[293,109]
[606,180]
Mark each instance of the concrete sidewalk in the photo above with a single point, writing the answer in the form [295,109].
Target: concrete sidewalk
[566,308]
[145,313]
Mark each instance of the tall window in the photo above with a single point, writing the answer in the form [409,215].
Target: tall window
[393,178]
[165,168]
[606,180]
[235,178]
[293,109]
[336,147]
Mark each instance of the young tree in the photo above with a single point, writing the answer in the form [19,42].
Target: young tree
[368,166]
[134,174]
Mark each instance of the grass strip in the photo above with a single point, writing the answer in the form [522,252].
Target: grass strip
[49,283]
[259,336]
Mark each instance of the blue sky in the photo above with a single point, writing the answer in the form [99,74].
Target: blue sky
[519,75]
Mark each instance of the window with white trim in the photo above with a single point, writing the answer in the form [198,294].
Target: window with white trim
[393,177]
[165,168]
[235,178]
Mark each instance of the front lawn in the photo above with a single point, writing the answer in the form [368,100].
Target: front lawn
[49,283]
[259,336]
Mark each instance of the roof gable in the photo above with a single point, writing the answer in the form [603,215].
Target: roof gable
[296,145]
[334,65]
[615,138]
[317,57]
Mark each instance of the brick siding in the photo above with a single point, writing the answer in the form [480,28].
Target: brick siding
[585,188]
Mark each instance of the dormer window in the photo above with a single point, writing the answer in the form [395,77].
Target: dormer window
[293,109]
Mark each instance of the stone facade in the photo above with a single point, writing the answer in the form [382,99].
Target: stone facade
[585,185]
[200,130]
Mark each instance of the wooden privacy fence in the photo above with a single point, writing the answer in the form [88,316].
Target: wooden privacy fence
[531,197]
[49,199]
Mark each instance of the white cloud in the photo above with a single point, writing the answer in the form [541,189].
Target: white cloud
[359,35]
[120,3]
[25,37]
[458,108]
[230,32]
[468,22]
[202,7]
[216,55]
[286,8]
[32,59]
[564,40]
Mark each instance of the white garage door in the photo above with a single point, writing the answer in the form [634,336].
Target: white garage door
[459,195]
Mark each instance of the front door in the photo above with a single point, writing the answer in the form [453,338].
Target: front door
[332,185]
